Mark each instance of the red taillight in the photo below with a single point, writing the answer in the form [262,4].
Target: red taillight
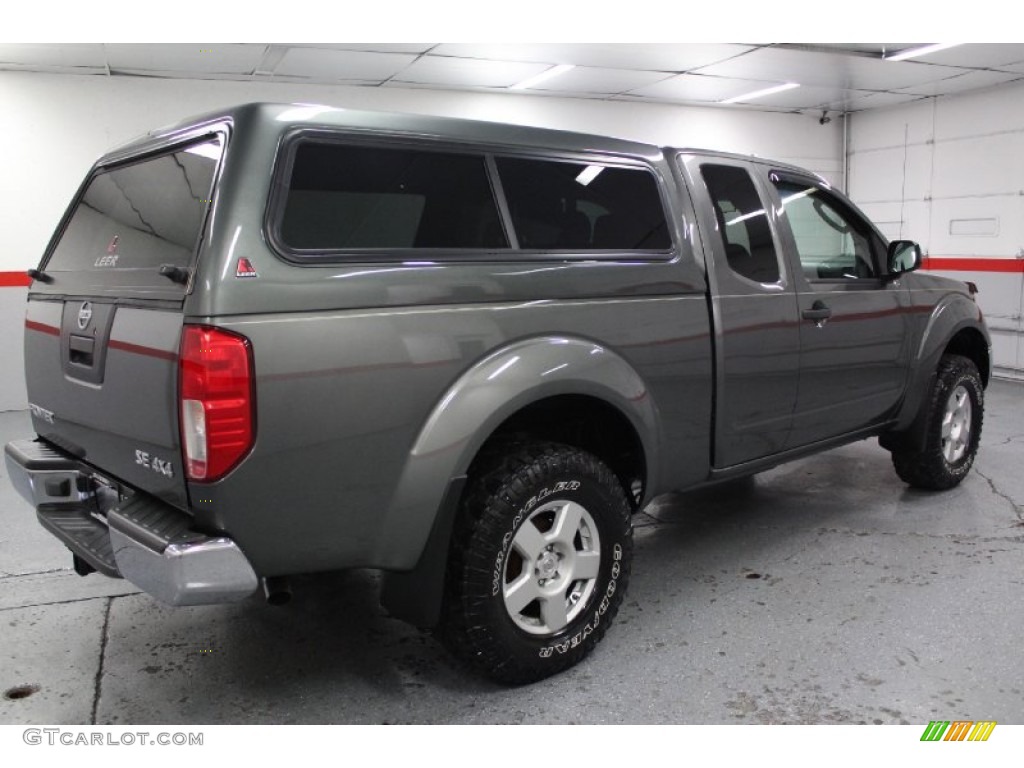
[217,402]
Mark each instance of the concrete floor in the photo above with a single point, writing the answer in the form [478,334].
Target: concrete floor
[824,591]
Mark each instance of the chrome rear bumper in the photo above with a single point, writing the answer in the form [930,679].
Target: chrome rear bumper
[139,538]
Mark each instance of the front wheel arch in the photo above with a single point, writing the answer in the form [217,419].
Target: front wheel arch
[950,428]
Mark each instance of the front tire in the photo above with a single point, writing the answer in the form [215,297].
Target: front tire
[540,561]
[952,425]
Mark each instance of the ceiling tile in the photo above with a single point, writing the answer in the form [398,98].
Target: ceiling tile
[873,100]
[230,58]
[594,80]
[991,55]
[821,69]
[320,80]
[665,57]
[980,78]
[702,88]
[57,70]
[375,47]
[326,64]
[874,49]
[448,71]
[805,97]
[71,55]
[1018,67]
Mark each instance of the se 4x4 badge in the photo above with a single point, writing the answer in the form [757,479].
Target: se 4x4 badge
[145,459]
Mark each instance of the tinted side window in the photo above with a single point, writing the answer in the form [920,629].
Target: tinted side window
[345,197]
[742,223]
[576,206]
[832,241]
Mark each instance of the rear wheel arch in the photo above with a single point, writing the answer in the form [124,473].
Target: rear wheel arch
[548,389]
[584,422]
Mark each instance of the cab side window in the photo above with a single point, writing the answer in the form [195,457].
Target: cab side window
[833,242]
[558,205]
[343,197]
[742,223]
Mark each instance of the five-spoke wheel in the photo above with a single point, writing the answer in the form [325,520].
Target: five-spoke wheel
[956,425]
[552,569]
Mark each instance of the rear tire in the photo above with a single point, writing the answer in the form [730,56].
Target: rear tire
[540,562]
[952,426]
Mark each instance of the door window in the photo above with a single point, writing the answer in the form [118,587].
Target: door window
[833,242]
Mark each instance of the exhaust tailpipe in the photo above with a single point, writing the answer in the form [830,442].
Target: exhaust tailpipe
[277,590]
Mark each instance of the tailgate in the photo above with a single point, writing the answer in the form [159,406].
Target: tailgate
[104,319]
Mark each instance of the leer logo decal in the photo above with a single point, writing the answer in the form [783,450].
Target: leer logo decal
[110,260]
[245,268]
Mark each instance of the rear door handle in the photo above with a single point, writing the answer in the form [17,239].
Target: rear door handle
[819,313]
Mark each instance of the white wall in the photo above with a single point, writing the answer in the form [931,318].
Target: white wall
[56,125]
[949,173]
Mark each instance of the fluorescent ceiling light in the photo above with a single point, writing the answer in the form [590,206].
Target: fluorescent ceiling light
[762,92]
[924,50]
[588,174]
[547,74]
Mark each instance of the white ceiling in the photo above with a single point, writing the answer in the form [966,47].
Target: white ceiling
[833,76]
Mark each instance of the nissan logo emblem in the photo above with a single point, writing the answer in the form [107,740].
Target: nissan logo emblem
[84,315]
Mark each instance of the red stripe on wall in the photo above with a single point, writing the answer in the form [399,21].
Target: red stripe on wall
[972,264]
[14,280]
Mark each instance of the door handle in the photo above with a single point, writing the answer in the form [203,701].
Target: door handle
[819,313]
[80,350]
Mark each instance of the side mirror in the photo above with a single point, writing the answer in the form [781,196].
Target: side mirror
[903,256]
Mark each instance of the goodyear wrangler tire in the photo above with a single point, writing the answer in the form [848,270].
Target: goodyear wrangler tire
[955,408]
[540,562]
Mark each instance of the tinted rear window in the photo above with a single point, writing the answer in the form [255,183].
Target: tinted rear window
[742,223]
[355,197]
[141,215]
[579,206]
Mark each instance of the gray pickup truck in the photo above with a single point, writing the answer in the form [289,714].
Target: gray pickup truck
[284,339]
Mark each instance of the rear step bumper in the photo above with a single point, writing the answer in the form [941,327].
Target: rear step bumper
[139,538]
